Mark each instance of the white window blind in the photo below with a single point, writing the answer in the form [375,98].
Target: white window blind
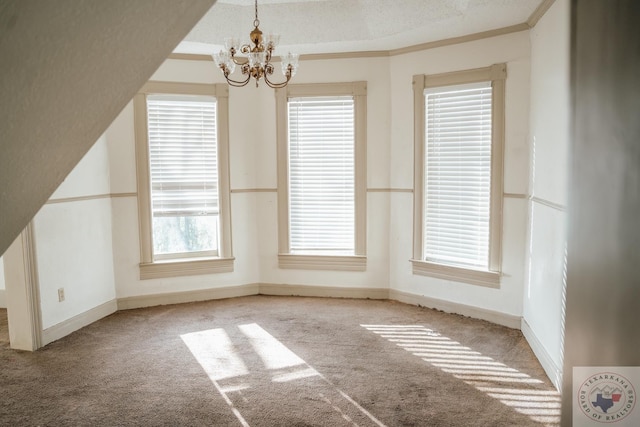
[322,174]
[458,174]
[183,170]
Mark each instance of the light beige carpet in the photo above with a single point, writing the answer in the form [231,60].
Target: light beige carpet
[280,361]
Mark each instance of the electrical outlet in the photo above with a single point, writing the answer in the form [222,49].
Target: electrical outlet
[60,294]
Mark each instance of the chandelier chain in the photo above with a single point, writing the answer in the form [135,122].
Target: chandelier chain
[256,21]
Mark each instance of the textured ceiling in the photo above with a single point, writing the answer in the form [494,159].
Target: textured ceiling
[327,26]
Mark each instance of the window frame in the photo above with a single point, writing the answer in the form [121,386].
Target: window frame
[496,74]
[180,265]
[286,259]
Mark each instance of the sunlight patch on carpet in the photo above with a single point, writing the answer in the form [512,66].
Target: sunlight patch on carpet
[273,353]
[227,356]
[222,361]
[292,376]
[511,387]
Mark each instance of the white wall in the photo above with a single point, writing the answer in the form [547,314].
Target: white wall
[514,50]
[375,71]
[549,135]
[87,236]
[389,168]
[73,242]
[62,228]
[253,183]
[244,152]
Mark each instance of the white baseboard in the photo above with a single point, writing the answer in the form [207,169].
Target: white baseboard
[81,320]
[317,291]
[507,320]
[3,299]
[553,371]
[323,291]
[250,289]
[187,296]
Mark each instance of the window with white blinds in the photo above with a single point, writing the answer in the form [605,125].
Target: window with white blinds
[321,151]
[183,171]
[457,174]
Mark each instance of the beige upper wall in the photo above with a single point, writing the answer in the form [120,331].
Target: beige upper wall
[67,69]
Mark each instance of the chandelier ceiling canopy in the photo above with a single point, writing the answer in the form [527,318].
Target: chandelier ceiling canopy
[254,59]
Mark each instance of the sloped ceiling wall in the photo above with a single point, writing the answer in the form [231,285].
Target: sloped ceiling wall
[67,68]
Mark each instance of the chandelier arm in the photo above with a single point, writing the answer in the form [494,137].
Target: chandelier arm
[268,68]
[238,83]
[277,85]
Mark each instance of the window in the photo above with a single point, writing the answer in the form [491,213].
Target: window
[458,175]
[321,176]
[183,186]
[183,174]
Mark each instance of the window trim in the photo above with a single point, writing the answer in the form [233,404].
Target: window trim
[159,268]
[286,259]
[497,74]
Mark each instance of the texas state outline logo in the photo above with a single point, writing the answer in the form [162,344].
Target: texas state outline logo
[605,396]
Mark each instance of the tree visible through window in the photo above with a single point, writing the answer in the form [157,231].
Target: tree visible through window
[182,171]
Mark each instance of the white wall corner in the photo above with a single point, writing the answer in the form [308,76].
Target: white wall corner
[3,299]
[79,321]
[553,371]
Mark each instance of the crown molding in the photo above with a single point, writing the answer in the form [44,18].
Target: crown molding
[458,40]
[346,55]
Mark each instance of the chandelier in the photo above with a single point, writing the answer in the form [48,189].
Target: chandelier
[258,60]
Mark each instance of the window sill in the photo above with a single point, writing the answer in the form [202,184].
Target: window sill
[489,279]
[191,267]
[323,262]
